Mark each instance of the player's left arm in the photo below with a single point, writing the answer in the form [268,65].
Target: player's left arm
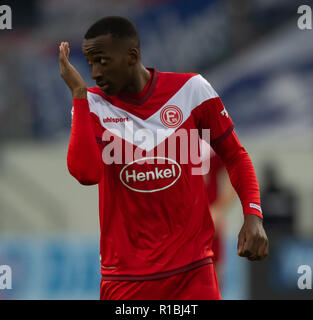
[225,197]
[211,114]
[252,239]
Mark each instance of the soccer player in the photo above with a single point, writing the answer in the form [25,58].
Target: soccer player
[156,228]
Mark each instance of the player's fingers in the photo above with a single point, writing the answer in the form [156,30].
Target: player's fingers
[259,246]
[63,56]
[252,243]
[258,249]
[66,49]
[248,250]
[253,258]
[267,248]
[241,243]
[263,250]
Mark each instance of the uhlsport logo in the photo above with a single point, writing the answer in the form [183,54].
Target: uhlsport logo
[115,120]
[5,17]
[171,116]
[150,174]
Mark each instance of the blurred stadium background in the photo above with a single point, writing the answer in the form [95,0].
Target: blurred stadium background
[253,54]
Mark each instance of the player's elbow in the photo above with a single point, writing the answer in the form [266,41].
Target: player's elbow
[86,176]
[86,179]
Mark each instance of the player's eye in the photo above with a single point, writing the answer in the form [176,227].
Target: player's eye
[103,61]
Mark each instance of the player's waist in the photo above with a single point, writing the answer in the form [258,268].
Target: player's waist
[159,275]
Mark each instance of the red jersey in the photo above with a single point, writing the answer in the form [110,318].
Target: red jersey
[154,217]
[216,166]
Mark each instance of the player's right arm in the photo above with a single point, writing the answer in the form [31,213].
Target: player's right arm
[84,159]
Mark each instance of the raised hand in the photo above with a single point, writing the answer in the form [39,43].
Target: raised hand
[70,75]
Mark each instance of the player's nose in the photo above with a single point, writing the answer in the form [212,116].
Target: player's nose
[96,73]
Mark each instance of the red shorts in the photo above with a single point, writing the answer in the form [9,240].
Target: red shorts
[197,284]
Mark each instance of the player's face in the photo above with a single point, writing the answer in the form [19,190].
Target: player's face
[111,63]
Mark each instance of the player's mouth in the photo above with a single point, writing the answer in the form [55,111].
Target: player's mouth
[104,86]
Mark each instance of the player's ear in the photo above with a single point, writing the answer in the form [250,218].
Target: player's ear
[133,56]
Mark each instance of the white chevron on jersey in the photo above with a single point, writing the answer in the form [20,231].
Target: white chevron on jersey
[187,99]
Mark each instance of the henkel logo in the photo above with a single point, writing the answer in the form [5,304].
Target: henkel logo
[116,120]
[150,174]
[171,116]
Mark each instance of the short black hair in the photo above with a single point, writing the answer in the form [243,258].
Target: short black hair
[118,27]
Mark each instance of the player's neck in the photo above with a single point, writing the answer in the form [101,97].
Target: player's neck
[141,78]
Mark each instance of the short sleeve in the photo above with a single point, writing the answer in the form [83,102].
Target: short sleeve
[212,114]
